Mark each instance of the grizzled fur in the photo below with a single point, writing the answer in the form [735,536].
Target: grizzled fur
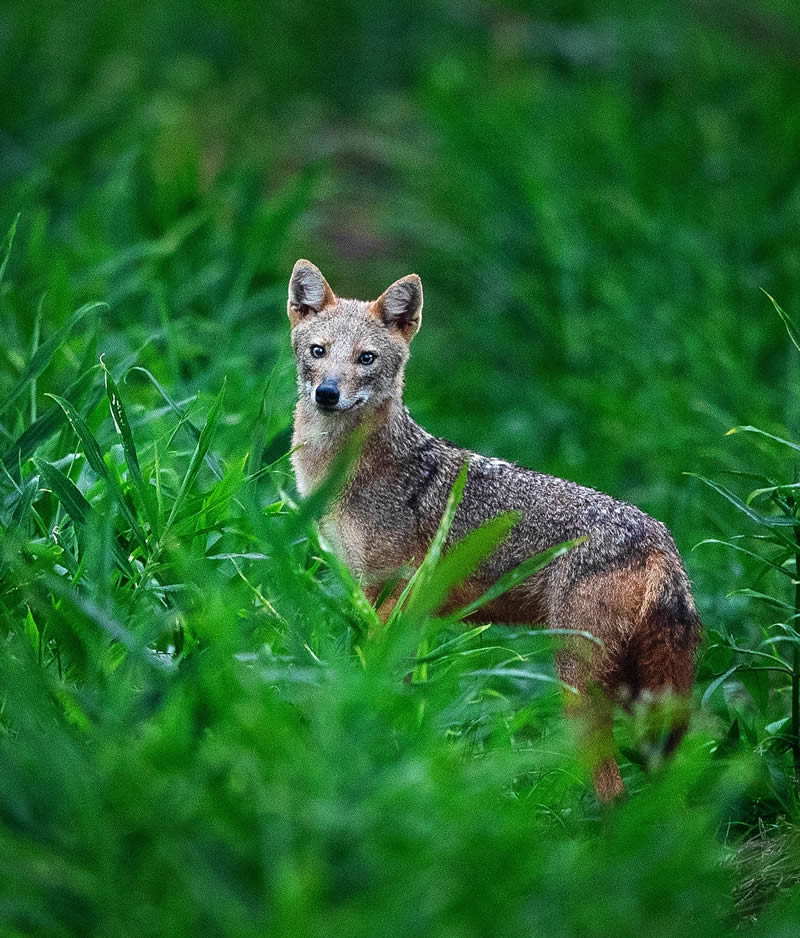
[625,584]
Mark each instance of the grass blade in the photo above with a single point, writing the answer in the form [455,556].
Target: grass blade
[107,624]
[764,597]
[95,459]
[75,504]
[769,521]
[24,503]
[91,448]
[791,328]
[200,451]
[460,562]
[37,333]
[521,674]
[65,490]
[750,553]
[46,425]
[718,682]
[769,436]
[447,648]
[417,582]
[514,577]
[44,354]
[368,618]
[123,427]
[9,242]
[210,461]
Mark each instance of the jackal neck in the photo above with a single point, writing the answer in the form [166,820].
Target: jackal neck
[319,438]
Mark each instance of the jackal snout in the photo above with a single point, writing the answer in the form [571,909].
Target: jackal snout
[327,393]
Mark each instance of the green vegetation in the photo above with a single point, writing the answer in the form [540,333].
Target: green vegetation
[203,728]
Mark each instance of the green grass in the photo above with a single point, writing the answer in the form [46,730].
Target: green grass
[203,730]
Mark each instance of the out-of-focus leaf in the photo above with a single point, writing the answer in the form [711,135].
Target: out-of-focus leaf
[516,576]
[417,583]
[460,562]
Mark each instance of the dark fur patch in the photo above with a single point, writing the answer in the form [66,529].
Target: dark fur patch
[676,613]
[627,547]
[428,469]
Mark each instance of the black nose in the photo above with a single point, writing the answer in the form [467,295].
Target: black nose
[328,394]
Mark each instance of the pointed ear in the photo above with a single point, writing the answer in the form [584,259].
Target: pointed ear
[308,292]
[400,307]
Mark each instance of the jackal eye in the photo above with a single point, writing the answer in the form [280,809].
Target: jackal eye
[366,358]
[317,351]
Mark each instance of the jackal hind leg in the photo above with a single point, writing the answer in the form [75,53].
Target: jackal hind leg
[593,712]
[607,605]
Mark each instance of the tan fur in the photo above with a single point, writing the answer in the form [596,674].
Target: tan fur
[625,584]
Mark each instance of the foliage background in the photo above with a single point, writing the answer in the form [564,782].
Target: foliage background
[594,196]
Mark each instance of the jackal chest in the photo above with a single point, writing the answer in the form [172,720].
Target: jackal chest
[345,543]
[373,551]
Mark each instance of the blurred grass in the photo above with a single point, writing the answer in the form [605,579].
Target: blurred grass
[201,737]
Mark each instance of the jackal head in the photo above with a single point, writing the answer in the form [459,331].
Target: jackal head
[351,354]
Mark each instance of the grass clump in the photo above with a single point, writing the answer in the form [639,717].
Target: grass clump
[765,866]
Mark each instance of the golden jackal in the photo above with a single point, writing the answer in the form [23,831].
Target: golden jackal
[625,584]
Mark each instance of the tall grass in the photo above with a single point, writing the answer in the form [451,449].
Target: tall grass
[206,729]
[767,672]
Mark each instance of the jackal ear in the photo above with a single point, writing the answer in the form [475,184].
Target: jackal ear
[308,292]
[400,307]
